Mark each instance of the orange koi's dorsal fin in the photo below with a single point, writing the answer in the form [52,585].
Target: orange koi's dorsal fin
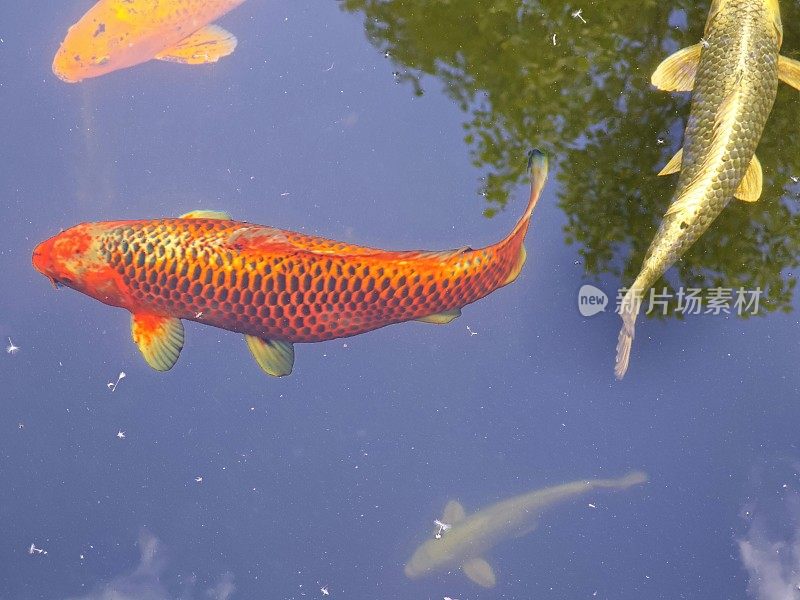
[260,238]
[440,254]
[159,338]
[269,239]
[206,214]
[206,45]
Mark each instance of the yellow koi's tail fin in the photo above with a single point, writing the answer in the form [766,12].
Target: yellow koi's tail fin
[537,166]
[629,310]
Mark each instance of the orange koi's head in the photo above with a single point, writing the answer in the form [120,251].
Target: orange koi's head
[74,258]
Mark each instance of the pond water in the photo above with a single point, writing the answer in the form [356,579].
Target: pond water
[398,125]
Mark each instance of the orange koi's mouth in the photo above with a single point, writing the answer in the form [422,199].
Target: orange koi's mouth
[42,261]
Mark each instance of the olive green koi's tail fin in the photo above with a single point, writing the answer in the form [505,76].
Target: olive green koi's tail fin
[629,309]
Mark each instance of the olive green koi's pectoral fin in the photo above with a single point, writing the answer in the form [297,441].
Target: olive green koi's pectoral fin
[159,339]
[206,214]
[674,164]
[441,318]
[206,45]
[789,71]
[749,189]
[676,73]
[275,357]
[479,571]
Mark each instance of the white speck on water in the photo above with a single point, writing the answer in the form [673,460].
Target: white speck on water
[112,385]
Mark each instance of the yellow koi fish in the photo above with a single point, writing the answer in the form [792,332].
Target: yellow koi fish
[116,34]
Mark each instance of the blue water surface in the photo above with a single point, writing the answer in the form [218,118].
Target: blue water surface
[333,476]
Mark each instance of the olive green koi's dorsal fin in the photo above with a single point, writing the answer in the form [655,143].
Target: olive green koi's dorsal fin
[674,164]
[479,571]
[207,214]
[159,339]
[676,73]
[206,45]
[441,318]
[275,357]
[453,512]
[749,189]
[789,71]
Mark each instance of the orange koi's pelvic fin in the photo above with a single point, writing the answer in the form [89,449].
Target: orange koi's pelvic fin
[275,357]
[159,338]
[442,318]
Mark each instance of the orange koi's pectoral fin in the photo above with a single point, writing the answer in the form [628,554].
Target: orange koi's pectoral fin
[159,338]
[206,45]
[275,357]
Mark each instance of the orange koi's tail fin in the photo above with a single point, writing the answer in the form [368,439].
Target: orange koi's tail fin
[537,166]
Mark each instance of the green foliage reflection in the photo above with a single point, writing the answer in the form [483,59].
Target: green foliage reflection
[587,100]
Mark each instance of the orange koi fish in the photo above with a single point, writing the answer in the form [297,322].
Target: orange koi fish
[276,287]
[116,34]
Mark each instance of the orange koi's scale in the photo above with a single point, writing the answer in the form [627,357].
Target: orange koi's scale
[276,287]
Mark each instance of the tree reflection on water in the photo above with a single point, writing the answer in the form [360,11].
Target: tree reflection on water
[534,74]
